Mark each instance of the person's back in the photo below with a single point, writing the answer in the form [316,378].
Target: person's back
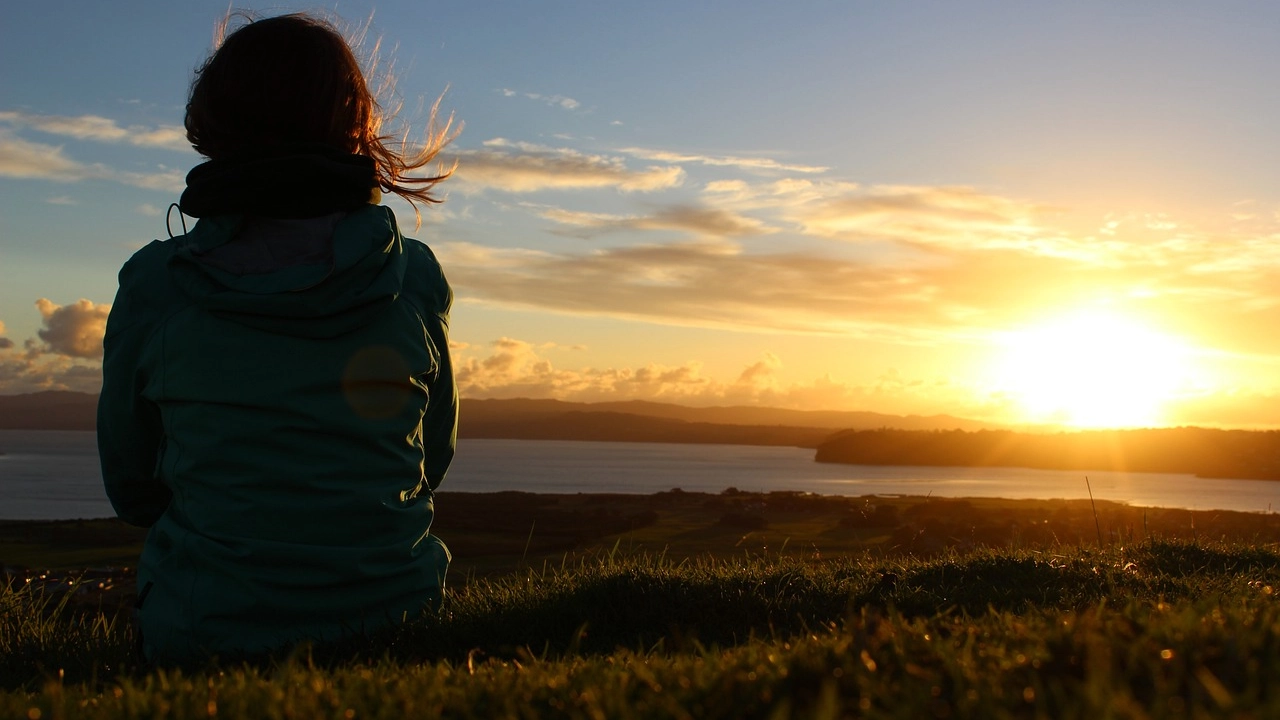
[278,402]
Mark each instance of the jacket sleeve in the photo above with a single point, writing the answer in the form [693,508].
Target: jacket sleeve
[440,423]
[130,432]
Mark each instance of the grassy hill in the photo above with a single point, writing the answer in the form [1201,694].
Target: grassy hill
[1100,626]
[1156,630]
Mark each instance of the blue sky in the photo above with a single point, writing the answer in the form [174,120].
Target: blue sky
[912,207]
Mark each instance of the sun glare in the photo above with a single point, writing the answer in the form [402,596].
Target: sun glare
[1093,369]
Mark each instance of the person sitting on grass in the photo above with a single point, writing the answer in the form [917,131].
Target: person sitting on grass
[278,403]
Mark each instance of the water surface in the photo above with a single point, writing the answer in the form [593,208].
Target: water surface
[48,474]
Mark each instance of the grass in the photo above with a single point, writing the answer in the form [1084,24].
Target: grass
[493,534]
[1153,629]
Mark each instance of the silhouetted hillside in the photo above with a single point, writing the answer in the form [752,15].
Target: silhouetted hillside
[52,410]
[484,411]
[621,427]
[557,420]
[1199,451]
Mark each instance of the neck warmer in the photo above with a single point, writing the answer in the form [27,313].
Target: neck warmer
[301,182]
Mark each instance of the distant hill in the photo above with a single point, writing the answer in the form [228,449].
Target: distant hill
[484,411]
[51,410]
[633,421]
[623,427]
[1209,453]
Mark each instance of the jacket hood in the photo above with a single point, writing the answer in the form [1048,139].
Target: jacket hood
[316,277]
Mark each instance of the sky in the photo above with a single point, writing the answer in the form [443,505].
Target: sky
[1026,213]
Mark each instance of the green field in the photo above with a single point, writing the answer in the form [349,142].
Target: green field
[741,605]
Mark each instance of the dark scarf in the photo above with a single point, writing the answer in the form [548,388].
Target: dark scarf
[296,182]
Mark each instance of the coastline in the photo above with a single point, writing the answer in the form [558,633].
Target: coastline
[56,476]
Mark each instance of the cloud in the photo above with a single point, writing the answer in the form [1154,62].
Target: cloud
[710,222]
[938,219]
[24,159]
[707,285]
[73,330]
[781,194]
[61,200]
[931,216]
[925,300]
[166,181]
[1248,408]
[99,129]
[745,163]
[914,265]
[26,373]
[525,167]
[21,158]
[67,359]
[560,101]
[919,214]
[760,372]
[149,210]
[515,368]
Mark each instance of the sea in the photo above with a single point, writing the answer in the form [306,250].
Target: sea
[53,475]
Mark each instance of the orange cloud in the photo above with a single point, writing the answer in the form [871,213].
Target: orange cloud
[73,330]
[1248,408]
[761,372]
[516,368]
[720,285]
[66,356]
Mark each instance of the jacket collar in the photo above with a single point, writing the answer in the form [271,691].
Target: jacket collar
[294,182]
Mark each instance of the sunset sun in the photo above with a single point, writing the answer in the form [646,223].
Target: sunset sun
[1093,369]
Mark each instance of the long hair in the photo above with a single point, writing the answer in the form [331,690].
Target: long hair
[294,80]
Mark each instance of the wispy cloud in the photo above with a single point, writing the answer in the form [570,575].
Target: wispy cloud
[20,158]
[936,218]
[746,163]
[949,292]
[560,101]
[525,167]
[24,159]
[61,200]
[1245,408]
[949,216]
[700,221]
[100,129]
[708,285]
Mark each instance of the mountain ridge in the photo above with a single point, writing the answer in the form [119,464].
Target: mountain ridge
[559,419]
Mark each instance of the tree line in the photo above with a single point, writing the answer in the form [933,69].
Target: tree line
[1199,451]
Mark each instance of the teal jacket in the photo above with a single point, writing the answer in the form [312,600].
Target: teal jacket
[278,406]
